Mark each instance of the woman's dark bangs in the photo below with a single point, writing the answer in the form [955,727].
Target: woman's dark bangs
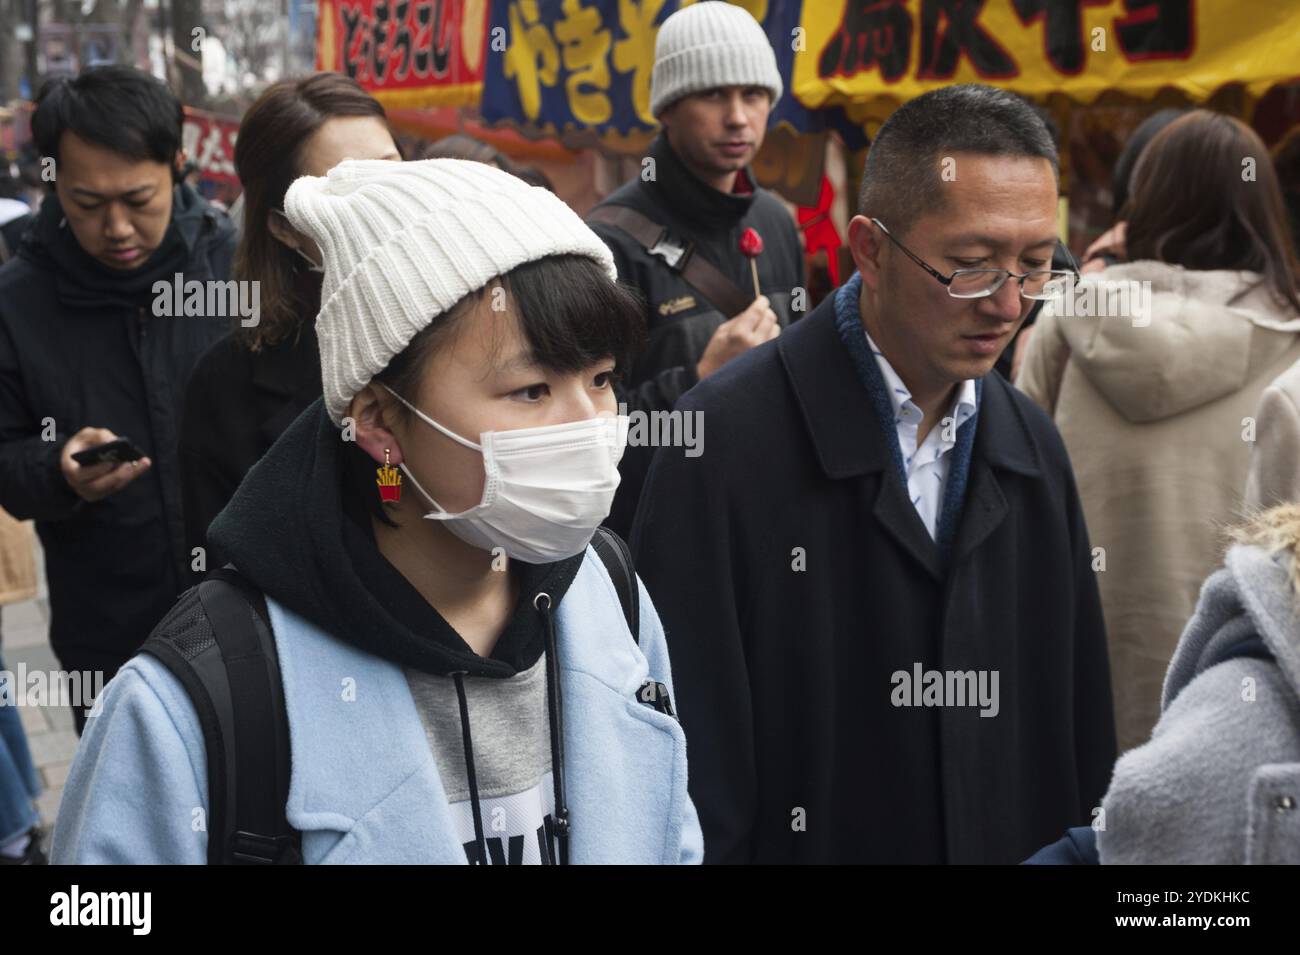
[572,315]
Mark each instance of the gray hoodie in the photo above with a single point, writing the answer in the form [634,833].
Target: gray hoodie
[1219,780]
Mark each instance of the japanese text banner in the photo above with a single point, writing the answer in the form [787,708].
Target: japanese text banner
[407,53]
[871,55]
[209,141]
[586,64]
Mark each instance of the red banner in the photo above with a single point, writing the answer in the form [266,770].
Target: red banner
[407,53]
[209,142]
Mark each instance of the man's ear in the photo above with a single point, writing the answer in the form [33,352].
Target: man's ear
[374,412]
[178,164]
[866,243]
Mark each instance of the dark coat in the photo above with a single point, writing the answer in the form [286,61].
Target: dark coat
[657,394]
[81,346]
[1077,847]
[238,403]
[11,234]
[785,675]
[679,320]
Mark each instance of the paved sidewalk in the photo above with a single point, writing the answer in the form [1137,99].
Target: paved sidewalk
[26,639]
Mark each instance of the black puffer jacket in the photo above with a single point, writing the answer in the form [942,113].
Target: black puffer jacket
[238,403]
[679,320]
[80,347]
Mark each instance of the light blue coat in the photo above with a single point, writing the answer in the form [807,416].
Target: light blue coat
[365,786]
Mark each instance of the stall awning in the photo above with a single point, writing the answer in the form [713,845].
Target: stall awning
[579,70]
[869,56]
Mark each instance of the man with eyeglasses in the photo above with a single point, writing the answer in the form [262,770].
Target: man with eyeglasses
[877,583]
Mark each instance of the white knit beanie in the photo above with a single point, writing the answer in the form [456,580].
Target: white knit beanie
[710,44]
[404,242]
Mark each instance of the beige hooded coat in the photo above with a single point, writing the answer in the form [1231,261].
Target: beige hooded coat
[17,560]
[1156,408]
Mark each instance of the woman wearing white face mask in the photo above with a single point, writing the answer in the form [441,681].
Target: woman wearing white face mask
[461,677]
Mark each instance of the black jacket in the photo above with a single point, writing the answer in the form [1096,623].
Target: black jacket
[679,320]
[784,675]
[238,403]
[80,346]
[11,234]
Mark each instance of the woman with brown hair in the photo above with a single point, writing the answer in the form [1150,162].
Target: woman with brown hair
[251,385]
[1152,370]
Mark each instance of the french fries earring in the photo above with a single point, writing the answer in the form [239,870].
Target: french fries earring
[389,480]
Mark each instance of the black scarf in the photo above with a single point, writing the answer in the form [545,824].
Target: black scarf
[85,282]
[690,197]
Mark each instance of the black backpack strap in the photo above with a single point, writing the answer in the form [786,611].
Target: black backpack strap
[617,558]
[259,833]
[196,663]
[705,277]
[234,682]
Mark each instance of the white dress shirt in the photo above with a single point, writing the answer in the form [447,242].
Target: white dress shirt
[926,466]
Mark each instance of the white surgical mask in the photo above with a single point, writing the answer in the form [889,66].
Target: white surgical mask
[546,490]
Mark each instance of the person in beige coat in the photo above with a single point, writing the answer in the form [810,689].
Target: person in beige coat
[1156,397]
[1274,476]
[17,561]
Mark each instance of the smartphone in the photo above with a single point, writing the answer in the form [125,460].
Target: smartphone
[115,451]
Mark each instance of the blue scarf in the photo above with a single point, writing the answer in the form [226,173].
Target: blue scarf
[848,322]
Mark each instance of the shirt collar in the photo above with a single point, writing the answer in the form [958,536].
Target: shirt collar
[900,396]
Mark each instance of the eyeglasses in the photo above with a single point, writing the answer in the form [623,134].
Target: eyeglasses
[1038,285]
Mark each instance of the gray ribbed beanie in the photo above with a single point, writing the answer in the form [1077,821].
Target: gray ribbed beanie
[404,242]
[710,44]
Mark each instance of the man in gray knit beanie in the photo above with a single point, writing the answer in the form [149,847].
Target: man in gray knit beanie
[715,81]
[675,230]
[708,45]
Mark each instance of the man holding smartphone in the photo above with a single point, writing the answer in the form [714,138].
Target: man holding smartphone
[86,360]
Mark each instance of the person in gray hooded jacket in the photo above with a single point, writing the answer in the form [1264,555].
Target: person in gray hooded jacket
[1219,780]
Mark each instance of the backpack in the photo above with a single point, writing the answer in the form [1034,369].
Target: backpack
[233,680]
